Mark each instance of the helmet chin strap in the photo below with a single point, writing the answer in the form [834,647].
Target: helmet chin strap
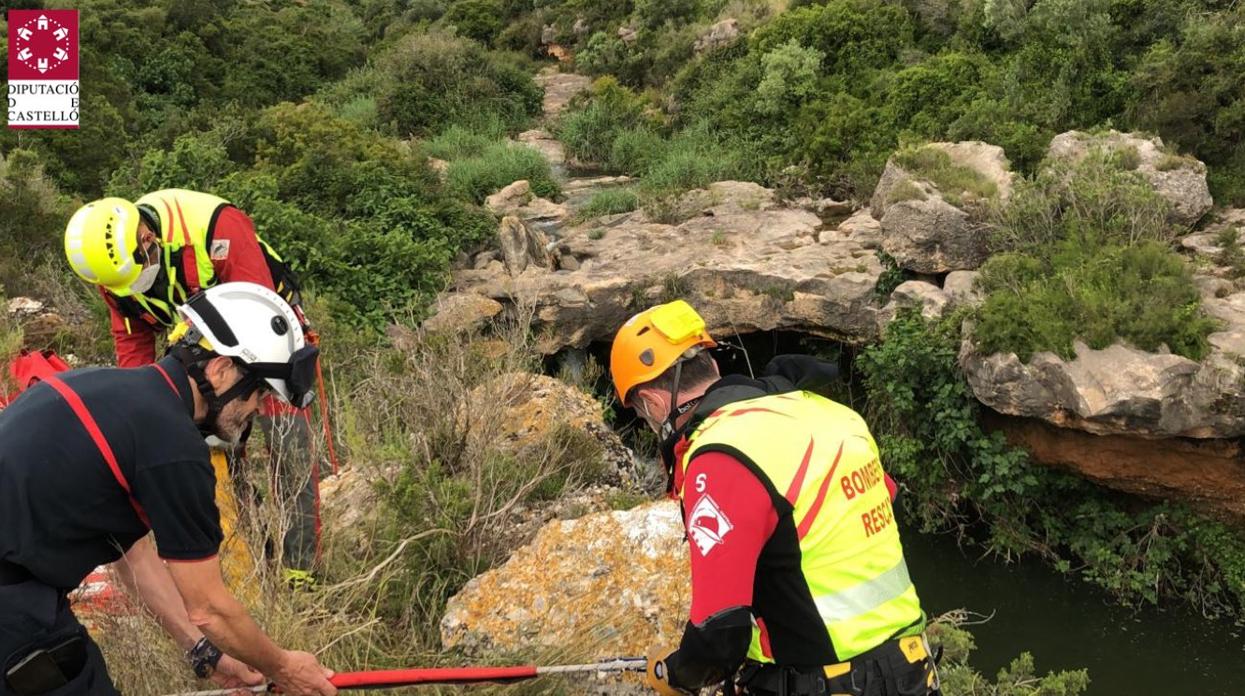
[670,432]
[194,359]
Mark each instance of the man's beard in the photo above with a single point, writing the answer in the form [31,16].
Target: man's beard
[231,422]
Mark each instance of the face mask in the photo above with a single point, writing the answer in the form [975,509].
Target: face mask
[146,279]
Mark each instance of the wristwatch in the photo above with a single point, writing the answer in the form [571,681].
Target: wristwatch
[203,658]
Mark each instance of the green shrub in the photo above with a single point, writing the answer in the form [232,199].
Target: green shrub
[589,128]
[459,142]
[694,158]
[499,165]
[33,213]
[953,180]
[476,19]
[790,77]
[852,36]
[635,150]
[610,202]
[1093,291]
[430,81]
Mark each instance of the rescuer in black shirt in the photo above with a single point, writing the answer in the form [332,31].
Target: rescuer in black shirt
[93,459]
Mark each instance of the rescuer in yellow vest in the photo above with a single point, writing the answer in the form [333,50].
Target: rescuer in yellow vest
[150,255]
[799,585]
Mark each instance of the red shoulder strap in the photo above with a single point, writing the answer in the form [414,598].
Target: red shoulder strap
[92,428]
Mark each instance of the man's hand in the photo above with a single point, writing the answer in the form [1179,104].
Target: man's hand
[232,673]
[658,676]
[301,674]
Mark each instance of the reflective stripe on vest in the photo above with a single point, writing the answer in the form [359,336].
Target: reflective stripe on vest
[821,457]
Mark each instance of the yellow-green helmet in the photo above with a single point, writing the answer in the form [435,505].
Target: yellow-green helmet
[100,241]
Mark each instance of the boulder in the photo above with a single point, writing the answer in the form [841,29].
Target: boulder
[533,406]
[581,27]
[349,502]
[961,289]
[749,265]
[548,34]
[510,198]
[522,246]
[1180,180]
[721,34]
[22,307]
[627,34]
[606,584]
[1117,390]
[928,227]
[929,298]
[461,313]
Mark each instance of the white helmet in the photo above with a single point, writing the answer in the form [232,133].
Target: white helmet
[260,331]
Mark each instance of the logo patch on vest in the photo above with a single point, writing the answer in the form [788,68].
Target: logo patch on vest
[708,526]
[220,249]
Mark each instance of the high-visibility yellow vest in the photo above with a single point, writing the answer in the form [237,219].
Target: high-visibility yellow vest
[186,220]
[820,456]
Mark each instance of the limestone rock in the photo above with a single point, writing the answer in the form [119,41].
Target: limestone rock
[929,230]
[724,198]
[522,246]
[510,197]
[1210,474]
[440,166]
[20,307]
[627,34]
[863,229]
[960,288]
[580,27]
[560,88]
[1180,180]
[931,300]
[718,35]
[548,34]
[461,313]
[1117,390]
[748,266]
[546,144]
[615,583]
[533,406]
[349,502]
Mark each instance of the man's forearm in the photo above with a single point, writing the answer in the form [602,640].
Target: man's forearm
[230,627]
[145,578]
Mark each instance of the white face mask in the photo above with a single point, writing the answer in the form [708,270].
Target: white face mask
[146,278]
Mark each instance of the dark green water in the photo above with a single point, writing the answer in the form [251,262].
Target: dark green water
[1067,624]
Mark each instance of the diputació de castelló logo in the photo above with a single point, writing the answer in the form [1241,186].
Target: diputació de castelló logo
[43,69]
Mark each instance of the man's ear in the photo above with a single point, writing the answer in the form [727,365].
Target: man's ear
[218,370]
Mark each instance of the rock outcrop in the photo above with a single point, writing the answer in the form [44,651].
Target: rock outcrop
[605,584]
[1180,180]
[532,407]
[747,262]
[461,313]
[1115,391]
[560,88]
[1207,473]
[721,34]
[926,225]
[914,294]
[523,246]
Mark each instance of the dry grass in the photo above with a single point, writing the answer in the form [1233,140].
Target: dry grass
[425,428]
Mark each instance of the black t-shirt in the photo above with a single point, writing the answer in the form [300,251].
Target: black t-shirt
[62,512]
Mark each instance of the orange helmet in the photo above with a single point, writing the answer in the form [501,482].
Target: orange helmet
[653,341]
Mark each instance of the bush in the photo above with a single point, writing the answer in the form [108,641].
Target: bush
[589,128]
[955,182]
[499,165]
[33,214]
[1093,291]
[431,81]
[610,201]
[790,77]
[476,19]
